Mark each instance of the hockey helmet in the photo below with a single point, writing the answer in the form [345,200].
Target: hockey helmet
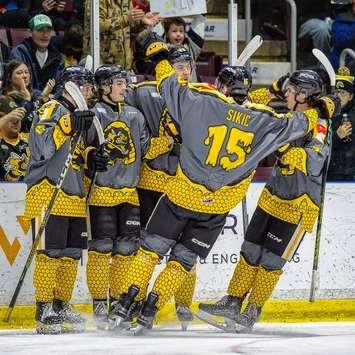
[237,79]
[105,74]
[77,74]
[179,54]
[307,82]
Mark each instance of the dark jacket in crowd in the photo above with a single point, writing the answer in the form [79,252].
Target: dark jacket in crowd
[343,35]
[52,68]
[342,162]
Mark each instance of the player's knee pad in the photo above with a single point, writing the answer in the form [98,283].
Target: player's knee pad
[103,246]
[126,245]
[73,253]
[271,261]
[156,243]
[186,257]
[52,253]
[251,252]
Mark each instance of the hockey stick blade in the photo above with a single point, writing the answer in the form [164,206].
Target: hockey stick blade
[249,50]
[89,62]
[77,96]
[326,64]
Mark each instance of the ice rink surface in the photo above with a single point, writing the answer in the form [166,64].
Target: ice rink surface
[285,339]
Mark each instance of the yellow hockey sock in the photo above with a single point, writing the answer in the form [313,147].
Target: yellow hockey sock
[242,279]
[119,268]
[168,282]
[97,274]
[65,280]
[263,286]
[185,293]
[44,277]
[140,272]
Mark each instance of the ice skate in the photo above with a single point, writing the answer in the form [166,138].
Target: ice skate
[119,313]
[147,316]
[100,314]
[227,307]
[48,322]
[184,315]
[249,316]
[71,320]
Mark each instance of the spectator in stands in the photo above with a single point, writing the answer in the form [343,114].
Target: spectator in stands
[42,59]
[14,13]
[70,45]
[342,164]
[64,13]
[315,19]
[118,23]
[14,151]
[343,33]
[175,34]
[17,92]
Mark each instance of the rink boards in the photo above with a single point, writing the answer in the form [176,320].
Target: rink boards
[336,264]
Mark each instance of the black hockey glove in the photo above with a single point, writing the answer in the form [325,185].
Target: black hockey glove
[277,88]
[97,161]
[328,106]
[81,120]
[154,47]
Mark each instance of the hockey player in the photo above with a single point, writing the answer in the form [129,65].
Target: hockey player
[114,206]
[287,208]
[219,152]
[162,158]
[56,129]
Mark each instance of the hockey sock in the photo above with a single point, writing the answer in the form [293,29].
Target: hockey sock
[168,282]
[263,286]
[140,272]
[185,293]
[97,274]
[119,268]
[65,280]
[44,277]
[242,279]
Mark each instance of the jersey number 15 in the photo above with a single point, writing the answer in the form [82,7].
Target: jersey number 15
[237,144]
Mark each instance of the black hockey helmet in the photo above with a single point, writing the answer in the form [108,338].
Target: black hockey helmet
[307,82]
[179,54]
[237,79]
[77,74]
[105,74]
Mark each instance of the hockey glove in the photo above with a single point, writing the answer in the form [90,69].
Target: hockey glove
[97,161]
[277,88]
[328,106]
[81,120]
[154,47]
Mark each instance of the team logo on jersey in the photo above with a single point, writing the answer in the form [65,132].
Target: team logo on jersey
[119,144]
[15,166]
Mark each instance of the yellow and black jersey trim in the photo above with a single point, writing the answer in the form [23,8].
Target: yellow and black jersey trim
[293,211]
[295,158]
[39,196]
[209,90]
[152,179]
[162,71]
[195,197]
[260,96]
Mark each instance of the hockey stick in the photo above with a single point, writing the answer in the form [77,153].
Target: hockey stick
[76,94]
[315,272]
[41,229]
[249,50]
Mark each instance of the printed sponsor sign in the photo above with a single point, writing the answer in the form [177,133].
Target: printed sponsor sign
[336,261]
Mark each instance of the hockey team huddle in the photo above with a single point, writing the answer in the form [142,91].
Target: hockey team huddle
[176,158]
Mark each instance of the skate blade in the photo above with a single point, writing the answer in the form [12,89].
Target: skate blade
[117,323]
[138,330]
[73,328]
[184,325]
[228,327]
[44,329]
